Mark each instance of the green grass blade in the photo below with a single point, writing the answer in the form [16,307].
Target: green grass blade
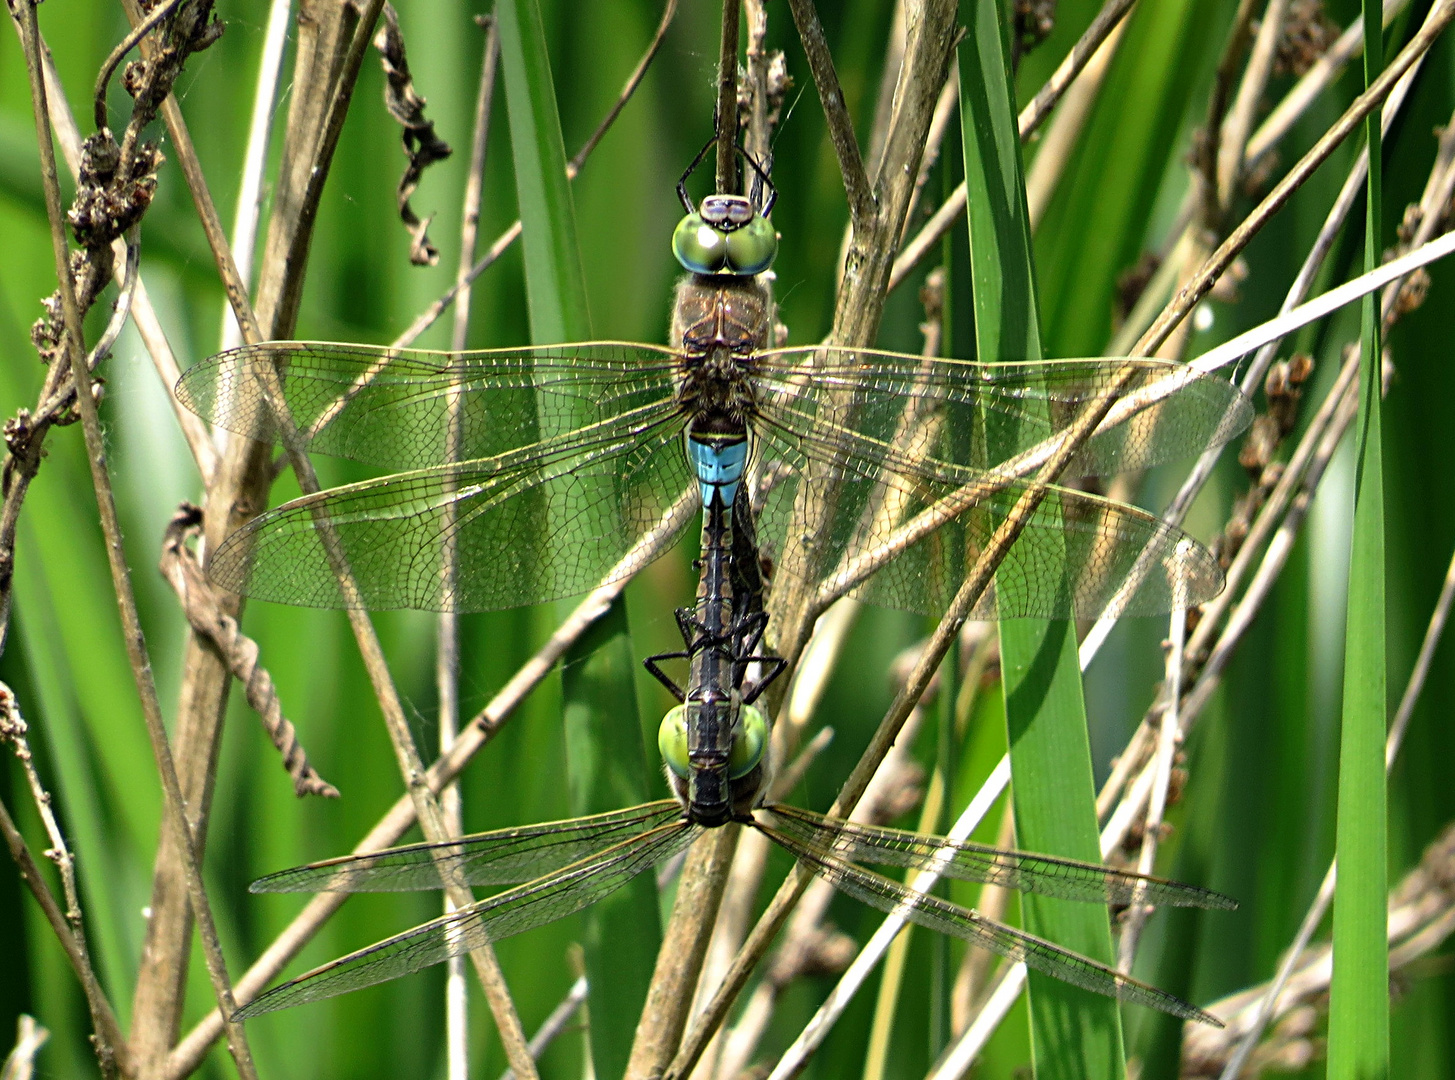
[555,285]
[606,770]
[605,759]
[1359,996]
[1074,1034]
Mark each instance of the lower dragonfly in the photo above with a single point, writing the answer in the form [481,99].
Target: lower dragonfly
[715,747]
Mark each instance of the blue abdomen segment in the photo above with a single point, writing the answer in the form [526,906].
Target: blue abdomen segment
[719,462]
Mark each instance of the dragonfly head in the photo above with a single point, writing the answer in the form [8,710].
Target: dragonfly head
[696,771]
[725,235]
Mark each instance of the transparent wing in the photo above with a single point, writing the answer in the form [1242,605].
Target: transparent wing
[544,521]
[410,409]
[1017,945]
[1045,875]
[503,857]
[909,542]
[512,912]
[938,418]
[912,465]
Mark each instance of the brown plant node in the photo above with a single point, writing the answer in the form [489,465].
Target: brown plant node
[1306,35]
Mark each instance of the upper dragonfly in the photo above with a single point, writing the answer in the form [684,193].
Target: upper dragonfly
[540,472]
[715,746]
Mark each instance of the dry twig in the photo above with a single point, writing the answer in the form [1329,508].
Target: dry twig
[110,1044]
[20,1062]
[421,145]
[205,615]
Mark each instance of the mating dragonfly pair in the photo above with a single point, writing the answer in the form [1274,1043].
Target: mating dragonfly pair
[536,473]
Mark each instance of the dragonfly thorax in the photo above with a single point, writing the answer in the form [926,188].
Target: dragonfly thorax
[720,314]
[719,325]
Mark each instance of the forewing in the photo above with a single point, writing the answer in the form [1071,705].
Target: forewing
[937,418]
[512,912]
[410,409]
[538,523]
[502,857]
[1045,875]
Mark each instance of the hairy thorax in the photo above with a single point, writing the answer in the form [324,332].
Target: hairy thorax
[719,323]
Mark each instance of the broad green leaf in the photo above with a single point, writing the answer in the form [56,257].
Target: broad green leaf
[1074,1034]
[605,760]
[1359,995]
[553,278]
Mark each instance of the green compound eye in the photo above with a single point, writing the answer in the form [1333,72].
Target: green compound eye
[672,741]
[698,246]
[750,249]
[748,746]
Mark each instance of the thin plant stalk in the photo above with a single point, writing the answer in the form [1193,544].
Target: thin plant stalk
[447,652]
[121,578]
[255,159]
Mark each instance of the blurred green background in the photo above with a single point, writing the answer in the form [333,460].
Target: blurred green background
[1257,818]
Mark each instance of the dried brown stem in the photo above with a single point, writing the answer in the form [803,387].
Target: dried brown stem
[118,54]
[1168,741]
[1029,121]
[1107,19]
[331,42]
[421,145]
[116,192]
[1232,140]
[73,349]
[1205,150]
[447,651]
[57,389]
[573,167]
[1061,138]
[143,317]
[684,946]
[725,114]
[112,1053]
[862,200]
[186,155]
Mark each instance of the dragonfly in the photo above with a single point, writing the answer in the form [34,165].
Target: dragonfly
[715,746]
[531,474]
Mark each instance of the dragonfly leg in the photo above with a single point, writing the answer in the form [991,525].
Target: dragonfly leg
[682,183]
[650,663]
[774,666]
[688,625]
[697,635]
[748,633]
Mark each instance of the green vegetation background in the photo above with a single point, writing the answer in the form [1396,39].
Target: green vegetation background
[1257,820]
